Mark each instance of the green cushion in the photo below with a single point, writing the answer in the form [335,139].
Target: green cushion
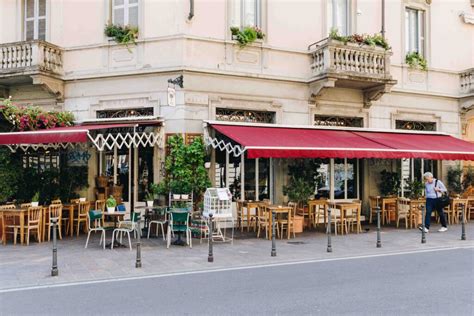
[94,214]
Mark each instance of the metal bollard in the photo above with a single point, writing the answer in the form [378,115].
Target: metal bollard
[328,231]
[463,226]
[210,257]
[138,262]
[379,241]
[54,269]
[423,234]
[274,252]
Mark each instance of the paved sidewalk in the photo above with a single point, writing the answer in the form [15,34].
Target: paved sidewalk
[22,266]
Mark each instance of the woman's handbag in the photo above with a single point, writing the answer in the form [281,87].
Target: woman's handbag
[444,199]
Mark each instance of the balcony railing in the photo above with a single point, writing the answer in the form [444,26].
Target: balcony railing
[467,81]
[334,57]
[30,57]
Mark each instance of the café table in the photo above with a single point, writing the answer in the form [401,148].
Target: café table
[252,205]
[21,213]
[388,204]
[343,206]
[278,209]
[70,208]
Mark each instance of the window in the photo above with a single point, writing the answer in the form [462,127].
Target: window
[335,121]
[246,13]
[339,16]
[35,20]
[237,115]
[125,12]
[415,31]
[415,125]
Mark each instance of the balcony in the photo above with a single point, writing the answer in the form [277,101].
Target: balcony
[467,89]
[354,66]
[36,62]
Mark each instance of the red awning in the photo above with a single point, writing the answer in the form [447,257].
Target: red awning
[264,141]
[72,134]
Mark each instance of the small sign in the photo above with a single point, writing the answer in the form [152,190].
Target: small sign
[78,158]
[171,96]
[222,194]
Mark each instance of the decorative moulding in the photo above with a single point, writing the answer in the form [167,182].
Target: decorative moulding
[467,17]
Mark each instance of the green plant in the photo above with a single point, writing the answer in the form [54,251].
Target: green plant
[111,202]
[10,174]
[371,40]
[122,34]
[415,60]
[149,196]
[35,197]
[415,187]
[468,178]
[390,183]
[184,168]
[302,180]
[454,180]
[246,36]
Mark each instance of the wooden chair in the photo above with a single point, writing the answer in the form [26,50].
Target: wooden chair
[353,216]
[25,205]
[84,208]
[403,211]
[100,206]
[459,206]
[74,201]
[470,207]
[57,201]
[288,223]
[336,218]
[317,212]
[246,209]
[10,222]
[374,201]
[263,222]
[34,223]
[54,211]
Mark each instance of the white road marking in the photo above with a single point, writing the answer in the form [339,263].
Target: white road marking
[279,264]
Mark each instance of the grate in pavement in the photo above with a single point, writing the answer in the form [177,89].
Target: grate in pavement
[296,242]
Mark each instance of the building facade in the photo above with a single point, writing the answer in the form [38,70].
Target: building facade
[53,53]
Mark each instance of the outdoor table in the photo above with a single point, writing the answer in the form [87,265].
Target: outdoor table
[343,206]
[387,203]
[70,208]
[18,212]
[278,209]
[312,204]
[252,204]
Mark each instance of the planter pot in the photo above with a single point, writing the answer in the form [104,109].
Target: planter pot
[83,199]
[176,196]
[110,209]
[35,204]
[149,203]
[184,196]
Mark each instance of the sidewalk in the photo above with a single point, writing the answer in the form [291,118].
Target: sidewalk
[22,266]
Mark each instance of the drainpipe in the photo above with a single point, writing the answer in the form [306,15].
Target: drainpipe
[191,10]
[383,19]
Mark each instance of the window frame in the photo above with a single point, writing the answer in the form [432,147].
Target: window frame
[36,18]
[330,17]
[420,30]
[258,13]
[126,10]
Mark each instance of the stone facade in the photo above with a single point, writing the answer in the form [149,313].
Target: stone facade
[274,74]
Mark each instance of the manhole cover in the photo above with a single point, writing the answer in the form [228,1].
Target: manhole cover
[295,242]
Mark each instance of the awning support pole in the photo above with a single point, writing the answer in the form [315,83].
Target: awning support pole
[331,190]
[115,165]
[271,180]
[226,169]
[257,198]
[242,177]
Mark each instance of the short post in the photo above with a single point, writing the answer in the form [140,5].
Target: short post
[463,226]
[328,231]
[138,262]
[274,252]
[379,241]
[54,269]
[423,234]
[210,257]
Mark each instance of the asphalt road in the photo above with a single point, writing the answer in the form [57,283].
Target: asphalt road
[424,283]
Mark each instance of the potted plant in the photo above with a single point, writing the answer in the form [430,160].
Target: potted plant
[35,200]
[455,186]
[111,204]
[390,183]
[416,188]
[416,61]
[149,197]
[247,35]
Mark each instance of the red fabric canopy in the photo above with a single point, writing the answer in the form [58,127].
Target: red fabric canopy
[286,142]
[72,134]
